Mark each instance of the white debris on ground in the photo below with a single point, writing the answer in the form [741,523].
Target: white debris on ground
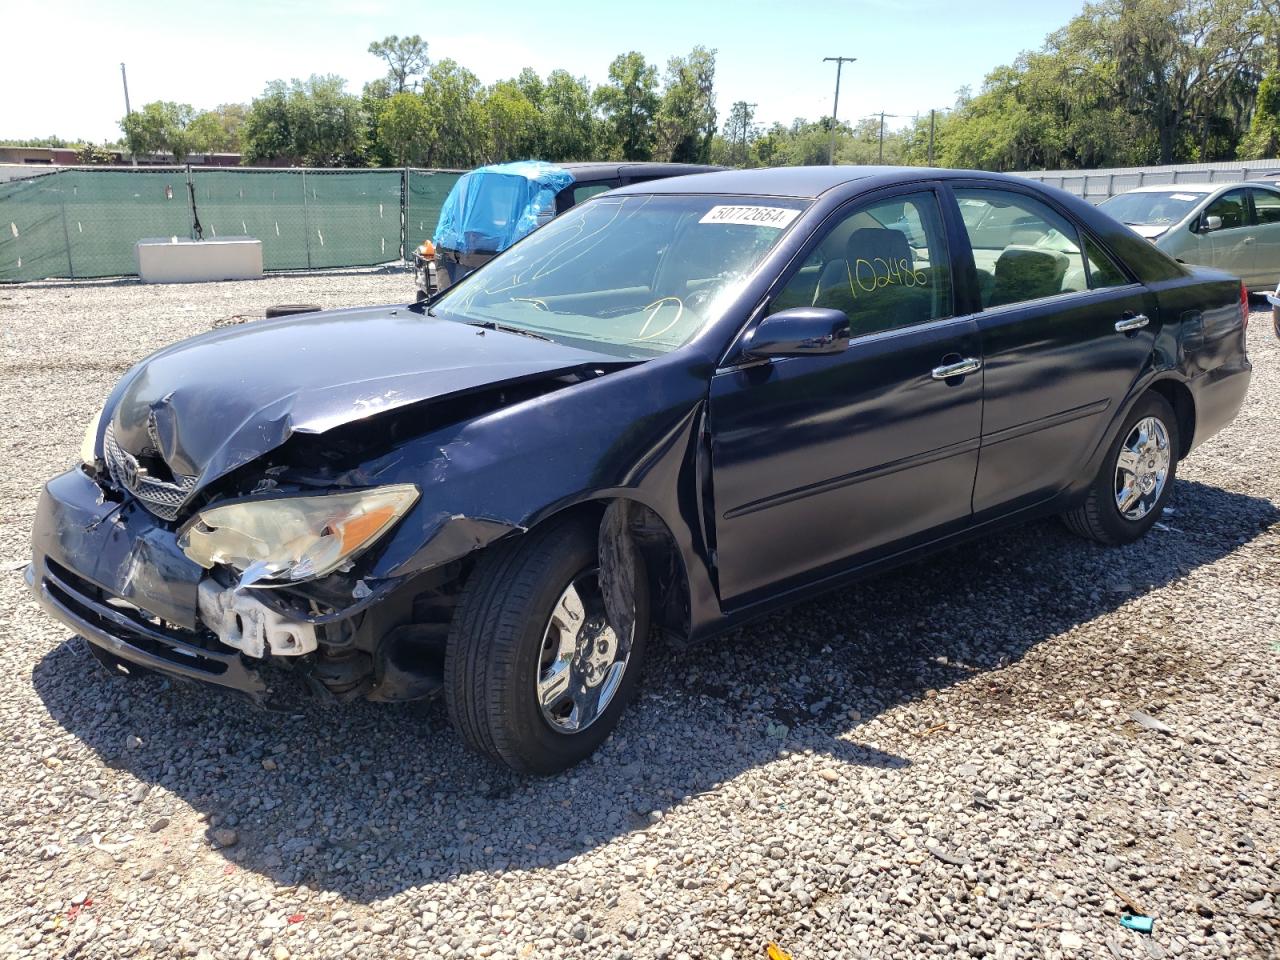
[993,753]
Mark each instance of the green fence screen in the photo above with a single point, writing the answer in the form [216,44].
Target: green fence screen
[85,222]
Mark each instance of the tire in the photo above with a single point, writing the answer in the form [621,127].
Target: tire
[495,658]
[289,309]
[1099,517]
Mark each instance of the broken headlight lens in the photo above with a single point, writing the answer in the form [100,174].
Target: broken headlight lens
[89,443]
[276,542]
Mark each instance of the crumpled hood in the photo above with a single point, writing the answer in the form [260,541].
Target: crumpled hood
[212,403]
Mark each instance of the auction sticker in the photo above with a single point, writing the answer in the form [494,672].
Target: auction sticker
[751,216]
[1185,196]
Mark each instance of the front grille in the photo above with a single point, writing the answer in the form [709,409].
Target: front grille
[162,498]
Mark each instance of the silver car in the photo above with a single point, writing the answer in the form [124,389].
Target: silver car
[1235,227]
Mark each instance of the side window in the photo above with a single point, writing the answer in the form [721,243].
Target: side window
[1103,271]
[1022,249]
[1230,207]
[1266,204]
[885,265]
[584,191]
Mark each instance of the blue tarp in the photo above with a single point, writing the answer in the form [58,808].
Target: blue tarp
[492,207]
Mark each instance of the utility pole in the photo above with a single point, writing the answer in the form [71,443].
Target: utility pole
[893,116]
[128,111]
[933,116]
[835,107]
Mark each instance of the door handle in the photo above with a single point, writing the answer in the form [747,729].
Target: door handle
[957,369]
[1132,323]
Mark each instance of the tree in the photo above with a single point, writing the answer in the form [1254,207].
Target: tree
[740,131]
[406,58]
[1263,141]
[627,104]
[567,126]
[92,154]
[311,123]
[451,94]
[686,117]
[159,127]
[1127,82]
[511,123]
[217,130]
[404,128]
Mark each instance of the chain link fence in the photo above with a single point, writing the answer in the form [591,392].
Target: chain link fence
[79,223]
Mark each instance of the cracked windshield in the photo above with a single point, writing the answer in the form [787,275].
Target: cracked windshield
[635,276]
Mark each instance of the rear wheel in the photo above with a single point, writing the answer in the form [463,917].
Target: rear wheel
[535,677]
[1136,478]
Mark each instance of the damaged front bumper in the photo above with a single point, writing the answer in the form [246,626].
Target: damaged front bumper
[116,576]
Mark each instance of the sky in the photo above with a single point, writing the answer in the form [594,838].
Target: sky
[911,56]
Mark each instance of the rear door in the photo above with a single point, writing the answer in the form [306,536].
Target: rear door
[1265,266]
[820,460]
[1065,332]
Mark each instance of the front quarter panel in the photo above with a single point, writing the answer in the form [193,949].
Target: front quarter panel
[632,433]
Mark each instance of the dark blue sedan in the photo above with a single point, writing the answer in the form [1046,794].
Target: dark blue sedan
[675,407]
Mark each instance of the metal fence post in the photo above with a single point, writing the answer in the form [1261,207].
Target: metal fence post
[404,215]
[66,234]
[306,220]
[1142,176]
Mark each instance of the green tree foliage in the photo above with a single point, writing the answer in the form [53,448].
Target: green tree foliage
[627,105]
[406,58]
[567,125]
[452,97]
[93,154]
[404,129]
[685,121]
[217,130]
[1263,141]
[1125,82]
[511,123]
[312,122]
[740,132]
[159,127]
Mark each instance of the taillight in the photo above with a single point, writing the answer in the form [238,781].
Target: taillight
[1244,305]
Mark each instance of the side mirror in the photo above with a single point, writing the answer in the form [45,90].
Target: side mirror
[1209,224]
[798,332]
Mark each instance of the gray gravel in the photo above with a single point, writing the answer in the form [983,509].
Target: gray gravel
[944,761]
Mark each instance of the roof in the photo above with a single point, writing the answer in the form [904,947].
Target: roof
[602,170]
[1180,188]
[806,183]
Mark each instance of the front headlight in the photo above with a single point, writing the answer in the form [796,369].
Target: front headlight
[89,443]
[289,539]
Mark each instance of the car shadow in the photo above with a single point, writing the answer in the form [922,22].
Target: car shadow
[367,800]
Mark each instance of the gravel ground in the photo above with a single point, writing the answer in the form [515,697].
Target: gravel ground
[938,762]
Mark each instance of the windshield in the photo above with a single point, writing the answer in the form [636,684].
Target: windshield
[1151,207]
[634,275]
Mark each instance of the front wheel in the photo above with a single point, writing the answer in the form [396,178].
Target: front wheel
[1136,478]
[535,676]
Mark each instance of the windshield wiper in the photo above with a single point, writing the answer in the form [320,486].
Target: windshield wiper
[506,328]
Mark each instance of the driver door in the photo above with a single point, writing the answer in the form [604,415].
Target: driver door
[821,462]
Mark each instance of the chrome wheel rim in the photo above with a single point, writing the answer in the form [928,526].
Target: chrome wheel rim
[1142,468]
[582,660]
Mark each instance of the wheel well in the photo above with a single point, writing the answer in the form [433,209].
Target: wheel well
[664,564]
[1184,407]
